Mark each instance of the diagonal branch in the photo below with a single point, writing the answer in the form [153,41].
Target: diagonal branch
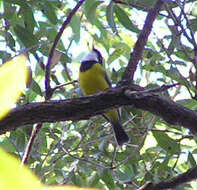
[48,72]
[136,55]
[188,176]
[85,107]
[29,146]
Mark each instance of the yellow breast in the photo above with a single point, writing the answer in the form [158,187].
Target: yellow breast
[93,80]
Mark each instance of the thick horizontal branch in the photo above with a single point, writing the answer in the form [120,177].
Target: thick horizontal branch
[173,182]
[83,108]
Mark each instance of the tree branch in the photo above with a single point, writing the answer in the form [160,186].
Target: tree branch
[83,108]
[29,146]
[47,74]
[188,176]
[136,55]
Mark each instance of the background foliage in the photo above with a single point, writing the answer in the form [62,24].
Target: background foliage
[84,153]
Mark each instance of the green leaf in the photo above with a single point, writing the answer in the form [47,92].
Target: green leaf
[28,18]
[75,25]
[110,17]
[189,103]
[191,160]
[90,9]
[103,36]
[93,180]
[9,11]
[193,24]
[182,55]
[36,88]
[165,142]
[18,2]
[88,4]
[65,58]
[120,49]
[7,145]
[77,180]
[194,9]
[194,151]
[43,139]
[49,12]
[115,54]
[124,19]
[17,138]
[26,37]
[107,178]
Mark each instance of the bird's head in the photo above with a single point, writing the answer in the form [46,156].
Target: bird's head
[93,55]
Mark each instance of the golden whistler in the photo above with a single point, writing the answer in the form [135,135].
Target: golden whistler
[93,79]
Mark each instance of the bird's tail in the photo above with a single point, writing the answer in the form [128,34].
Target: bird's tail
[120,134]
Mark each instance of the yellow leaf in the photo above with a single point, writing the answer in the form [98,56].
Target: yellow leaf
[14,176]
[13,77]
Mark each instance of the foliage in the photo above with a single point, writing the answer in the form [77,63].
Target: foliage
[22,178]
[84,153]
[15,72]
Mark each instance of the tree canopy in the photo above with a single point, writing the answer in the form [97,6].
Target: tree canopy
[150,52]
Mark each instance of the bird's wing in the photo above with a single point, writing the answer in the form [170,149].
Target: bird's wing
[107,79]
[109,83]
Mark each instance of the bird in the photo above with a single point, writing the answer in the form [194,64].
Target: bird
[93,79]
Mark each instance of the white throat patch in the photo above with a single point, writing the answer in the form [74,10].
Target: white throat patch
[91,56]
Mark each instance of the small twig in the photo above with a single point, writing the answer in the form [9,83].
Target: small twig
[160,89]
[178,22]
[65,84]
[28,148]
[164,87]
[187,23]
[57,38]
[85,160]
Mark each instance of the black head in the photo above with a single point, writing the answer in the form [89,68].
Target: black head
[93,56]
[99,56]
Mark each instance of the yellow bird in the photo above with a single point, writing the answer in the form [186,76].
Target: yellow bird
[93,79]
